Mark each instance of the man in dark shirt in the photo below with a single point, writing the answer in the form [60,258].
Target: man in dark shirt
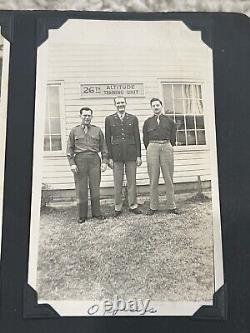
[84,143]
[124,147]
[159,137]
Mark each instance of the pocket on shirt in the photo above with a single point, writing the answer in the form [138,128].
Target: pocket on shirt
[78,139]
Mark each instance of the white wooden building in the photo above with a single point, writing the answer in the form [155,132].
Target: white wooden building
[157,59]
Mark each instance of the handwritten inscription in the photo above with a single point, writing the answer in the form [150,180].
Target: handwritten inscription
[118,306]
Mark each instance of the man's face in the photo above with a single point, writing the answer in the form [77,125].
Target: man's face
[86,117]
[120,104]
[156,107]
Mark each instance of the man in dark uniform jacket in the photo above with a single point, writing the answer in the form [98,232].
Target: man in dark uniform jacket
[159,137]
[84,143]
[124,147]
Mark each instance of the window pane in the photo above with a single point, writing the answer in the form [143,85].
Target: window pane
[52,139]
[181,138]
[197,106]
[193,106]
[178,104]
[187,91]
[180,122]
[199,122]
[190,122]
[178,91]
[185,101]
[188,106]
[197,91]
[56,142]
[55,126]
[46,144]
[53,101]
[168,98]
[191,137]
[201,140]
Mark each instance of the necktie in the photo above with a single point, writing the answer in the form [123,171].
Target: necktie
[85,129]
[158,120]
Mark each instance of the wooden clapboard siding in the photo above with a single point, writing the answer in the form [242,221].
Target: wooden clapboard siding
[188,165]
[88,63]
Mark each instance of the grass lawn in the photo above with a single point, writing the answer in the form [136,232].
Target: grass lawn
[164,257]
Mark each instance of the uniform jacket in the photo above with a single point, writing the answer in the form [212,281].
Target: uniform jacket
[123,137]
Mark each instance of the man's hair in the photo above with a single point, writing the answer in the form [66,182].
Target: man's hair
[125,99]
[85,108]
[155,100]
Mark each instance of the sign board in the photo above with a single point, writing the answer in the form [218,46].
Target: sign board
[103,90]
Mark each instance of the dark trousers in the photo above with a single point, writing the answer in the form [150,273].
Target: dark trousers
[89,173]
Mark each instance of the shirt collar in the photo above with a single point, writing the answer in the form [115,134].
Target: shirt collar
[121,115]
[83,126]
[158,116]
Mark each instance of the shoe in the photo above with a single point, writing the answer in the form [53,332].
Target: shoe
[100,217]
[135,211]
[174,211]
[81,220]
[117,213]
[151,211]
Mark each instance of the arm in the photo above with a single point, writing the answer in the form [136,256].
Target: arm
[137,137]
[108,137]
[103,147]
[70,148]
[145,134]
[173,134]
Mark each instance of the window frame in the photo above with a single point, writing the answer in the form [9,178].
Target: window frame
[61,152]
[188,81]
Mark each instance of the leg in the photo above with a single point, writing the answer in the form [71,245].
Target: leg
[81,182]
[94,174]
[153,164]
[118,173]
[167,168]
[130,170]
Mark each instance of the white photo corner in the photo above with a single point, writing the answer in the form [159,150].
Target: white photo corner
[164,264]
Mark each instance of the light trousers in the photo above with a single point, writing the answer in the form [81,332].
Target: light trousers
[118,173]
[160,156]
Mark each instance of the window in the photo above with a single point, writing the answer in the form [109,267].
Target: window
[53,128]
[183,101]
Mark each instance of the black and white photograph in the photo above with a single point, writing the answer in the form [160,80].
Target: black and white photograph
[4,70]
[125,214]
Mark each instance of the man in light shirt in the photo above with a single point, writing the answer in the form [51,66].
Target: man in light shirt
[84,143]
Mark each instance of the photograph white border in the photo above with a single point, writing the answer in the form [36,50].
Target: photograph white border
[80,308]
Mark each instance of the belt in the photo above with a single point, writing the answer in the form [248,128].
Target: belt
[88,153]
[159,141]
